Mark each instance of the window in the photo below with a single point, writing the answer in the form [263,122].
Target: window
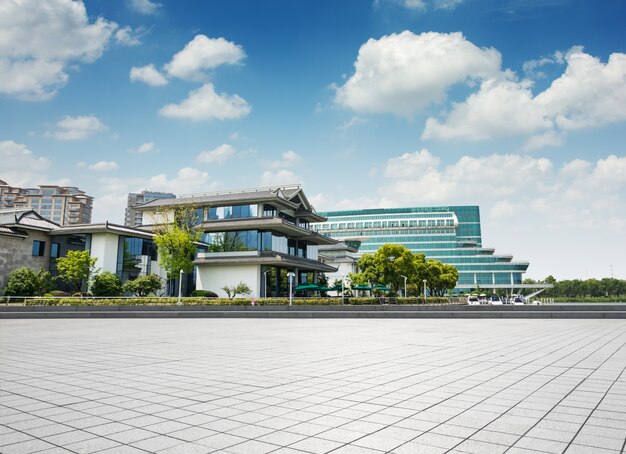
[39,248]
[54,250]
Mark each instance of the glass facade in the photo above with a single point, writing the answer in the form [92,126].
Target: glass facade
[134,256]
[232,212]
[241,240]
[450,234]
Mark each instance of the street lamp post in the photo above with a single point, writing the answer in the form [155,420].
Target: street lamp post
[265,282]
[343,293]
[291,275]
[180,286]
[405,278]
[424,281]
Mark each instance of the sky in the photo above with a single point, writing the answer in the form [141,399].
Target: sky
[518,106]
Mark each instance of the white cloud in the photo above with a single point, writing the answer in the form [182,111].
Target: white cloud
[532,207]
[488,113]
[205,104]
[218,155]
[100,166]
[113,191]
[148,147]
[126,36]
[588,94]
[288,158]
[144,6]
[405,73]
[77,128]
[423,5]
[278,178]
[203,53]
[39,40]
[147,74]
[20,167]
[351,123]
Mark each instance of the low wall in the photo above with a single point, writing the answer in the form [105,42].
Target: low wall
[366,311]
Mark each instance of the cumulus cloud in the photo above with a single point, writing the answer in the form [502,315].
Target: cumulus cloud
[278,178]
[113,191]
[218,155]
[100,166]
[588,94]
[201,54]
[423,5]
[144,6]
[148,147]
[405,73]
[205,104]
[41,39]
[126,36]
[288,158]
[77,128]
[147,74]
[20,166]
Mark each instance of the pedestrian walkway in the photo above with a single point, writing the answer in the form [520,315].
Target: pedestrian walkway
[245,386]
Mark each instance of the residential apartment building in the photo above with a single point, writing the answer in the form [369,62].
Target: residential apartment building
[450,234]
[64,205]
[134,217]
[258,236]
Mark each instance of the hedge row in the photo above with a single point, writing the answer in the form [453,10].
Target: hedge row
[198,301]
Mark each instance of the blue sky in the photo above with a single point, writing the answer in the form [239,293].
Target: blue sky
[516,106]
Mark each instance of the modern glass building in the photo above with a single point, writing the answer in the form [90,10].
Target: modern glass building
[450,234]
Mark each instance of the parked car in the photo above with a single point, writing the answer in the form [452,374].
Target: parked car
[517,300]
[495,300]
[472,300]
[483,299]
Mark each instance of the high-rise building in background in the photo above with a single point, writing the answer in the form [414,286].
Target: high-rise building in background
[133,217]
[65,205]
[450,234]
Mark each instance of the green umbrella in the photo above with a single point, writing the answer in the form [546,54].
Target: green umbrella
[307,286]
[361,287]
[323,288]
[381,287]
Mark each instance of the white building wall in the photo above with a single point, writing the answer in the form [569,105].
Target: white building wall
[104,248]
[153,217]
[311,252]
[213,278]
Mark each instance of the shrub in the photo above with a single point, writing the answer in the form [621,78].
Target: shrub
[59,293]
[25,282]
[204,293]
[239,289]
[144,285]
[106,284]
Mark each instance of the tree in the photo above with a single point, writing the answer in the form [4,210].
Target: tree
[176,238]
[440,277]
[106,284]
[75,268]
[25,282]
[387,266]
[143,286]
[240,289]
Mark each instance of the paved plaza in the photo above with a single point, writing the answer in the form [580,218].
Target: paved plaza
[246,386]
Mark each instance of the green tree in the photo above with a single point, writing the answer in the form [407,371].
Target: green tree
[144,285]
[25,282]
[106,284]
[387,266]
[440,277]
[75,268]
[239,289]
[176,238]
